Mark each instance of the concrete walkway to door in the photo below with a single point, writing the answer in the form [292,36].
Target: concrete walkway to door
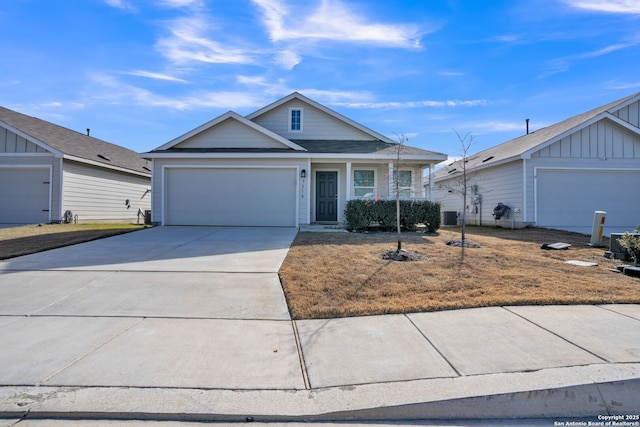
[175,323]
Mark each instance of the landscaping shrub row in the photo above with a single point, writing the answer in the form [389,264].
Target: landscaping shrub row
[359,214]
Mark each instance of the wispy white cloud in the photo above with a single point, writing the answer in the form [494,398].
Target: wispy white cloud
[497,126]
[336,97]
[189,42]
[120,4]
[333,20]
[288,59]
[622,86]
[155,76]
[180,3]
[609,6]
[451,73]
[415,104]
[117,92]
[507,38]
[281,88]
[253,80]
[560,65]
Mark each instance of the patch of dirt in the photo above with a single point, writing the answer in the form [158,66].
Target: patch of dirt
[467,243]
[30,239]
[402,255]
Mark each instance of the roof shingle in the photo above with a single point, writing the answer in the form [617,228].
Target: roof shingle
[74,143]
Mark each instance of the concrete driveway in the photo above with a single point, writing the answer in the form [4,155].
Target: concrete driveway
[170,306]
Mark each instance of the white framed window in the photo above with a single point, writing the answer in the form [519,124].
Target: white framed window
[404,178]
[364,183]
[295,119]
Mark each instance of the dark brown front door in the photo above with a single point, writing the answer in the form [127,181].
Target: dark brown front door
[326,196]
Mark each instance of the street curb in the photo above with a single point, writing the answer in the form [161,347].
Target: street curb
[451,398]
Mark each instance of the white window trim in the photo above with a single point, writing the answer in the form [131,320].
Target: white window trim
[392,183]
[374,188]
[291,109]
[410,187]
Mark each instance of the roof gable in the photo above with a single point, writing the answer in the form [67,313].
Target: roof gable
[524,146]
[274,116]
[230,131]
[73,145]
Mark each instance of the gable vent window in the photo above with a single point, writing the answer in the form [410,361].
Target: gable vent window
[102,156]
[295,120]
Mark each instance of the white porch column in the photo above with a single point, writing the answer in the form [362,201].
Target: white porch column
[431,183]
[348,182]
[421,185]
[392,187]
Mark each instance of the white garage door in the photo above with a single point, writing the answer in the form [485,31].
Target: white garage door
[24,195]
[567,199]
[230,197]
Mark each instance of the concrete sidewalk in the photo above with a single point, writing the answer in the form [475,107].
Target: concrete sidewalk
[191,324]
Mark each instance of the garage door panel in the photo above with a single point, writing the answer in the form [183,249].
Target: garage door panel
[24,195]
[567,199]
[230,197]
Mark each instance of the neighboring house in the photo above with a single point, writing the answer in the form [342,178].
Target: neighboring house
[47,170]
[292,162]
[558,176]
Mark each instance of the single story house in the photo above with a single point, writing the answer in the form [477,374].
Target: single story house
[47,170]
[556,177]
[292,162]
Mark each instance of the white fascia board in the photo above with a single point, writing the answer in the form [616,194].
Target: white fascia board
[628,126]
[29,138]
[335,156]
[636,98]
[327,110]
[102,165]
[222,118]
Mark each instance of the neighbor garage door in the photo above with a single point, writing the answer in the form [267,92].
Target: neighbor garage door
[567,199]
[24,195]
[230,197]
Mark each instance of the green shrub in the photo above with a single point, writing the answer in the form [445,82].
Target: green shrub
[359,214]
[632,244]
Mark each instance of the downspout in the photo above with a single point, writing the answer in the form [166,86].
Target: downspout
[524,192]
[60,191]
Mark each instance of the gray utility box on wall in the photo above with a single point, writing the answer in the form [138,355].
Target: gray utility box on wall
[450,218]
[616,248]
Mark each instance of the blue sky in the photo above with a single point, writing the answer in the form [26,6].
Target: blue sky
[142,72]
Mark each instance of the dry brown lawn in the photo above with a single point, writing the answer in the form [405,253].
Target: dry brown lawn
[341,274]
[29,239]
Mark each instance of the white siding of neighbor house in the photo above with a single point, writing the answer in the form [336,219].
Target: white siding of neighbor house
[230,133]
[630,113]
[500,184]
[99,194]
[316,124]
[159,164]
